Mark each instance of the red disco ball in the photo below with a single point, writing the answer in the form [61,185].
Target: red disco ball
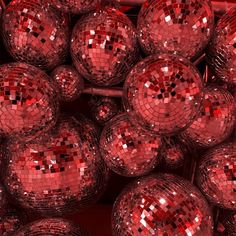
[162,94]
[35,33]
[126,150]
[216,175]
[221,54]
[52,227]
[104,46]
[161,204]
[58,173]
[103,109]
[69,81]
[88,128]
[216,120]
[76,6]
[28,102]
[181,27]
[173,153]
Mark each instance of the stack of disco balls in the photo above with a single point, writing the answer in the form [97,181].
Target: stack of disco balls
[173,128]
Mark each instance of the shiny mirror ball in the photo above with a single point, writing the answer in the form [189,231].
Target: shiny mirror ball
[161,204]
[162,94]
[51,227]
[221,54]
[173,153]
[69,81]
[216,121]
[181,27]
[58,173]
[104,46]
[103,109]
[128,151]
[216,175]
[28,102]
[76,6]
[35,33]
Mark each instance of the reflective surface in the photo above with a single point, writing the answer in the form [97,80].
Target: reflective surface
[181,27]
[216,175]
[103,109]
[216,121]
[70,82]
[104,46]
[173,153]
[161,204]
[162,94]
[126,150]
[28,102]
[222,51]
[35,33]
[51,227]
[58,173]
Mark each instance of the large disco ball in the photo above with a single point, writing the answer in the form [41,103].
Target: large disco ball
[35,33]
[69,81]
[221,55]
[104,46]
[216,175]
[28,102]
[52,227]
[181,27]
[161,204]
[216,121]
[128,151]
[76,6]
[163,93]
[58,173]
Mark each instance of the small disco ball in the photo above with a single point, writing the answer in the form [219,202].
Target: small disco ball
[88,128]
[58,173]
[35,33]
[28,102]
[227,223]
[161,204]
[181,27]
[173,153]
[76,6]
[163,93]
[104,46]
[52,227]
[221,54]
[9,222]
[126,150]
[103,109]
[216,121]
[69,81]
[216,175]
[3,200]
